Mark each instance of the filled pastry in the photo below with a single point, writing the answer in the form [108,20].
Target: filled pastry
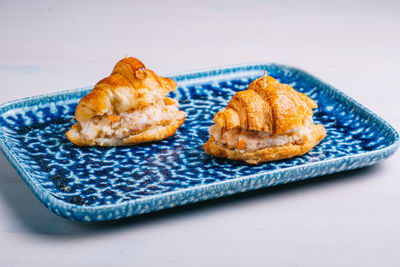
[268,121]
[128,107]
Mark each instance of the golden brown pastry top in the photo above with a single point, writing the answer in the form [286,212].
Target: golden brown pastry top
[131,85]
[266,105]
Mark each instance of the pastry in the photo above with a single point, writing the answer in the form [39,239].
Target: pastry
[268,121]
[128,107]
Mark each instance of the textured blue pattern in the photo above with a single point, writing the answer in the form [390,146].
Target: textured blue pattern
[96,183]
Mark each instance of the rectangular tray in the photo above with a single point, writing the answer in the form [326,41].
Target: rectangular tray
[99,183]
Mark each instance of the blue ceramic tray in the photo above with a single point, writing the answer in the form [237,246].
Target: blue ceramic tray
[96,184]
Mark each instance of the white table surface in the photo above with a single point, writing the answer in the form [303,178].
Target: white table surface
[346,219]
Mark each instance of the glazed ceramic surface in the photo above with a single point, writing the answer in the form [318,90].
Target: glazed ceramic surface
[101,183]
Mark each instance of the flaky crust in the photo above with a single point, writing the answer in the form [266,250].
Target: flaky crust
[267,154]
[131,85]
[150,135]
[266,105]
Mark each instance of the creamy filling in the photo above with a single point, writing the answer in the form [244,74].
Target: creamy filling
[249,140]
[124,124]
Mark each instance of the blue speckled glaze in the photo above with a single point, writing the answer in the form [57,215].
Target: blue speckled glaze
[99,183]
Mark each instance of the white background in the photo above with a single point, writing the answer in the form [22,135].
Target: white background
[346,219]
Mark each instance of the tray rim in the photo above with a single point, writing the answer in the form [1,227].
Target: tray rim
[60,206]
